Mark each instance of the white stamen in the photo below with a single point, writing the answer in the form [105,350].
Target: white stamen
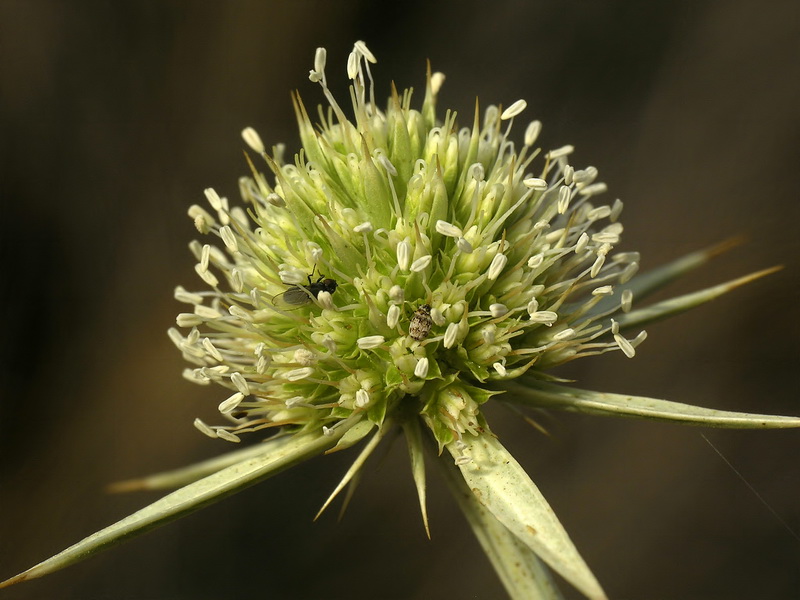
[438,317]
[464,246]
[569,173]
[496,267]
[594,189]
[362,398]
[252,139]
[364,227]
[603,290]
[437,80]
[535,183]
[326,300]
[488,333]
[403,255]
[513,110]
[626,300]
[213,198]
[370,341]
[362,48]
[448,229]
[328,431]
[606,237]
[294,401]
[298,374]
[421,370]
[237,279]
[184,320]
[203,428]
[616,210]
[304,356]
[559,152]
[352,65]
[329,343]
[563,199]
[532,307]
[392,316]
[535,261]
[397,294]
[227,236]
[450,335]
[639,338]
[228,405]
[176,337]
[500,368]
[206,275]
[546,317]
[211,349]
[629,272]
[583,241]
[601,212]
[241,383]
[226,435]
[205,255]
[624,345]
[206,312]
[320,58]
[532,132]
[564,334]
[421,263]
[498,310]
[181,295]
[598,264]
[276,200]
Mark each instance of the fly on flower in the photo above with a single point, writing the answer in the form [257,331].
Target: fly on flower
[300,295]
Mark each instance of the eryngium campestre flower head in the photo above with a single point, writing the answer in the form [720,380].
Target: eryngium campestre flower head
[405,271]
[507,249]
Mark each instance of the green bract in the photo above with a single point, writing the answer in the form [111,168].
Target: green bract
[404,271]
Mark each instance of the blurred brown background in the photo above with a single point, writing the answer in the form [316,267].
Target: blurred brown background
[116,115]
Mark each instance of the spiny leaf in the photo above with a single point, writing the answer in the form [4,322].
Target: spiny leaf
[524,576]
[542,394]
[500,484]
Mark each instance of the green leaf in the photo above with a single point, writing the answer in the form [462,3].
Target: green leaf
[500,484]
[411,427]
[645,284]
[524,576]
[190,498]
[673,306]
[356,466]
[167,480]
[542,394]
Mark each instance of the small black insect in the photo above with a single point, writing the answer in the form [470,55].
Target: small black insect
[421,323]
[297,295]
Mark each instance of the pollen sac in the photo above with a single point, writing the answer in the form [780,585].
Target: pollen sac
[421,323]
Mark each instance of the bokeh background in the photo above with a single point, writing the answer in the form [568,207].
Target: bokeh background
[116,115]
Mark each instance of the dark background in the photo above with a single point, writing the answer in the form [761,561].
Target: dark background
[116,115]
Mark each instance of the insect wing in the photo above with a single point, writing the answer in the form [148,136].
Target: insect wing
[291,299]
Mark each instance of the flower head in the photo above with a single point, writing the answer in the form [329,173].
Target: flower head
[317,287]
[402,270]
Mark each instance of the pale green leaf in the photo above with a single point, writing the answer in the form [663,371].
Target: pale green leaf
[524,576]
[673,306]
[185,475]
[190,498]
[411,427]
[542,394]
[644,284]
[357,464]
[500,484]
